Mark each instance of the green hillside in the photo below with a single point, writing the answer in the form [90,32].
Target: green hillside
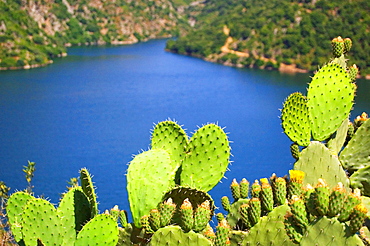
[34,32]
[268,33]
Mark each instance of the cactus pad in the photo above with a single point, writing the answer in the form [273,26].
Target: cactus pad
[273,225]
[150,175]
[101,230]
[316,161]
[361,179]
[295,119]
[89,190]
[335,144]
[14,209]
[41,221]
[356,154]
[168,135]
[326,231]
[207,158]
[330,99]
[173,236]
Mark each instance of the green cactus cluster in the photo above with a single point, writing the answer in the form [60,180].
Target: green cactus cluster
[174,160]
[167,185]
[36,221]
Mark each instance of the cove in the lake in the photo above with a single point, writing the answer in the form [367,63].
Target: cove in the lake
[96,107]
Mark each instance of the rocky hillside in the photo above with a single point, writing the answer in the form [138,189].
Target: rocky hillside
[33,32]
[273,34]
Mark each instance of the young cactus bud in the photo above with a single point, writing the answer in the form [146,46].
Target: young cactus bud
[357,218]
[254,211]
[338,46]
[347,45]
[209,233]
[167,209]
[144,221]
[123,218]
[187,219]
[225,202]
[235,190]
[202,216]
[298,209]
[244,215]
[322,193]
[154,219]
[280,192]
[353,72]
[256,189]
[267,198]
[295,183]
[336,200]
[219,217]
[294,150]
[222,233]
[353,199]
[244,188]
[114,212]
[309,196]
[360,120]
[293,231]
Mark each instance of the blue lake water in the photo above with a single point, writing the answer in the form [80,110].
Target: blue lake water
[96,107]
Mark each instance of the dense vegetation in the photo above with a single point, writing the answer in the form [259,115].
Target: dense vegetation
[33,32]
[283,31]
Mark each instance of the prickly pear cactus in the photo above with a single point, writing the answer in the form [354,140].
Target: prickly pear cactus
[356,154]
[207,158]
[335,144]
[14,209]
[40,221]
[149,176]
[361,180]
[89,189]
[295,119]
[269,230]
[101,230]
[168,135]
[330,99]
[326,231]
[74,211]
[174,235]
[316,161]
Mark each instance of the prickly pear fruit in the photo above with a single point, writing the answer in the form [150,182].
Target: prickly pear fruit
[336,200]
[187,218]
[295,183]
[279,188]
[357,218]
[256,189]
[353,199]
[353,72]
[298,209]
[201,216]
[294,150]
[155,219]
[245,215]
[338,46]
[267,198]
[347,45]
[254,211]
[244,188]
[322,193]
[235,190]
[225,202]
[222,233]
[167,210]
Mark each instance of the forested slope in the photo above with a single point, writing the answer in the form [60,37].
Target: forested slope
[32,32]
[268,33]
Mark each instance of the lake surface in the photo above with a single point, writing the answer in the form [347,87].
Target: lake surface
[96,107]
